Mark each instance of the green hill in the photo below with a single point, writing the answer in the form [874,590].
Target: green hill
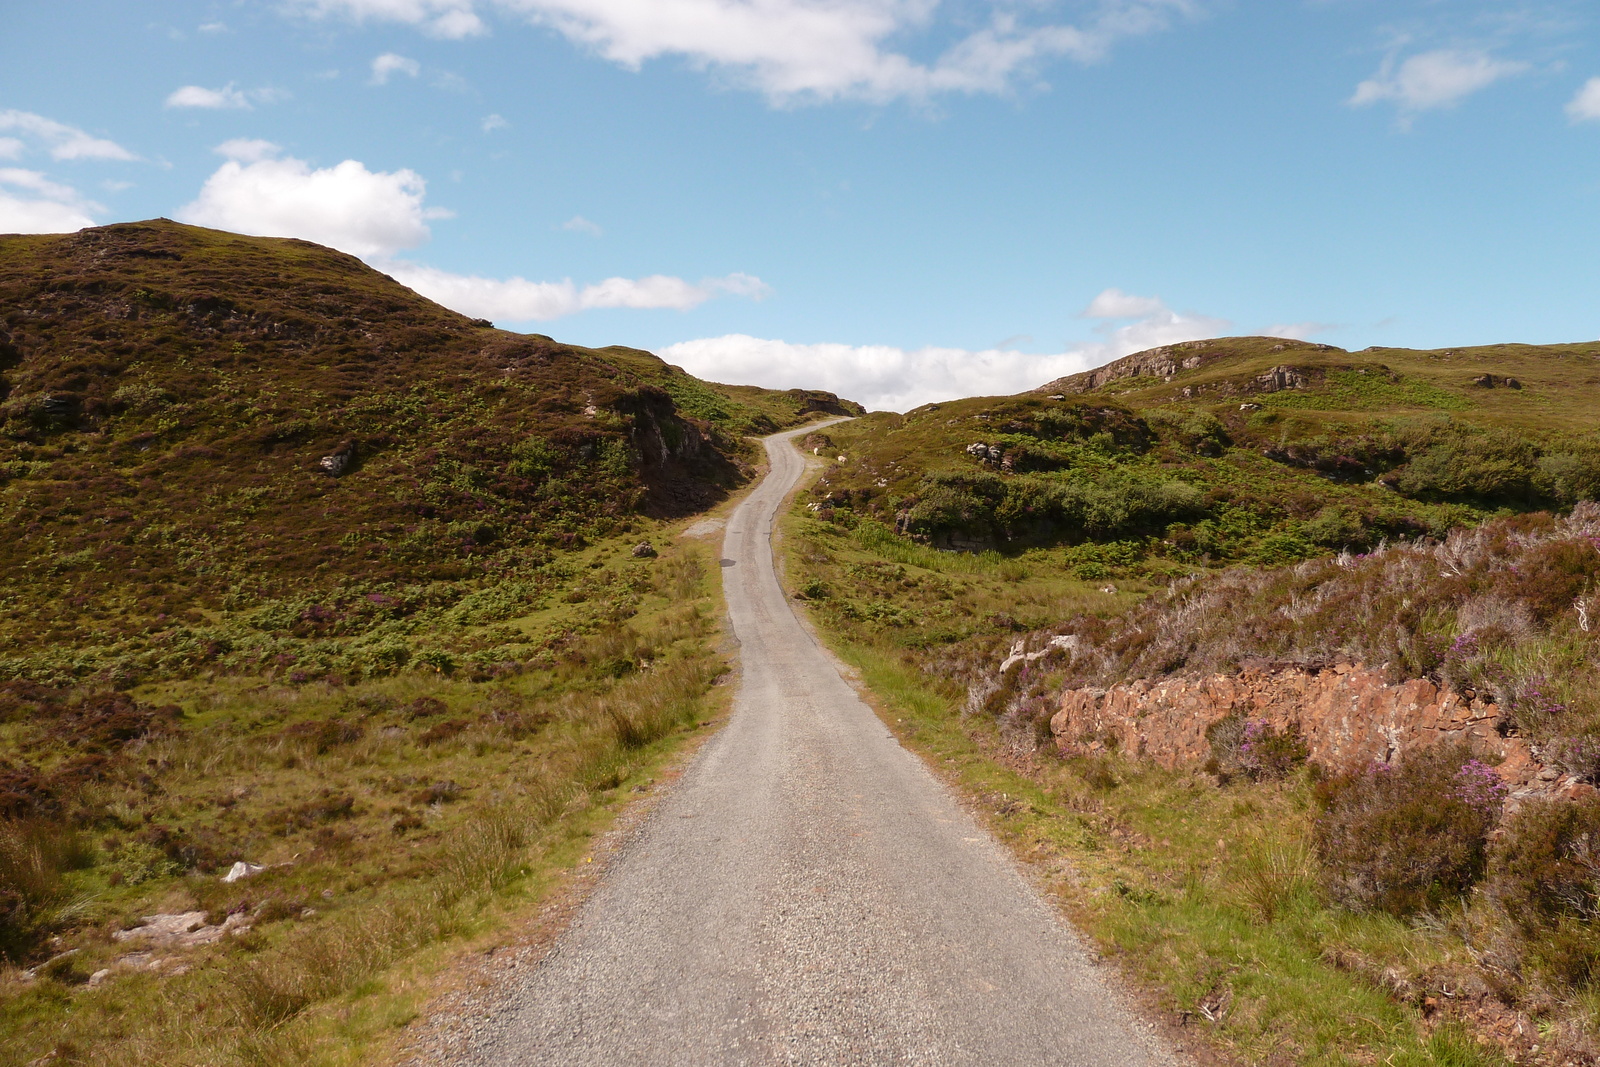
[1237,449]
[206,438]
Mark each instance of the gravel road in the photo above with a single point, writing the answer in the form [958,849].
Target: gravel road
[809,893]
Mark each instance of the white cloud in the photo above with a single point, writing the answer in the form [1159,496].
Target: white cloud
[882,377]
[519,300]
[795,50]
[898,379]
[1585,107]
[450,19]
[375,214]
[491,123]
[226,97]
[213,27]
[1436,79]
[32,203]
[62,141]
[1154,324]
[1115,304]
[392,63]
[11,148]
[579,224]
[366,213]
[247,149]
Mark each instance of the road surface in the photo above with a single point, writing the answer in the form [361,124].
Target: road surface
[808,893]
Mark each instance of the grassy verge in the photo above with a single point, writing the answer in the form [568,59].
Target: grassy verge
[1204,894]
[396,818]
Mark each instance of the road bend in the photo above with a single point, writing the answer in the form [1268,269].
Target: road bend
[809,893]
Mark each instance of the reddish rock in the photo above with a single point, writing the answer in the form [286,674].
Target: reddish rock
[1348,716]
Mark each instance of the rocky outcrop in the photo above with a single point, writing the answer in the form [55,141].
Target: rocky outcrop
[1168,361]
[1348,716]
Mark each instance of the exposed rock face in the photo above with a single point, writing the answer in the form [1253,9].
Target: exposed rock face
[1169,360]
[1161,362]
[1348,715]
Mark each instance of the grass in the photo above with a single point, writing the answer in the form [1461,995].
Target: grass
[386,841]
[411,684]
[1231,940]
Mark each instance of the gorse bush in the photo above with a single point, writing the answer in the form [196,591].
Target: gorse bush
[1407,837]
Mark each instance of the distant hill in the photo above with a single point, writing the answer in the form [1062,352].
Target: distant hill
[195,422]
[1539,387]
[1249,449]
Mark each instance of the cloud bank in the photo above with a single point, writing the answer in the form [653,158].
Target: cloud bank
[32,203]
[898,379]
[800,50]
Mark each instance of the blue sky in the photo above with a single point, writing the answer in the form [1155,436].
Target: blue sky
[901,200]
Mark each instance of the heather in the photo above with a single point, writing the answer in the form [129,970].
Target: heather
[226,453]
[1505,609]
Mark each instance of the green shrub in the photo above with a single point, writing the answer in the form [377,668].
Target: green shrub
[1488,466]
[1407,837]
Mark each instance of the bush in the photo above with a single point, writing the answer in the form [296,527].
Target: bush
[1545,873]
[1466,464]
[1407,837]
[1547,864]
[1251,747]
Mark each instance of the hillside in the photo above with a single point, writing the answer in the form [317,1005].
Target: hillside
[1180,583]
[1237,449]
[196,424]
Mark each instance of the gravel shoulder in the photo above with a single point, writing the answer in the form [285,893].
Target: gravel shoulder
[807,892]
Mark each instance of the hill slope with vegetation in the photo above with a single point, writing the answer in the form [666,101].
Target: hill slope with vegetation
[1238,449]
[1209,507]
[207,440]
[306,574]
